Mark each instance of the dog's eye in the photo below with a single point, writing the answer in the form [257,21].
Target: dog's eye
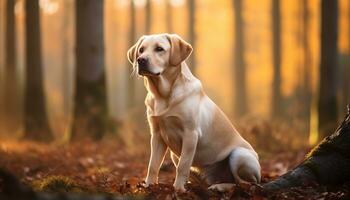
[159,49]
[141,49]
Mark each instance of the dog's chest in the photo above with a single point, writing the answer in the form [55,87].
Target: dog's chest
[172,121]
[172,130]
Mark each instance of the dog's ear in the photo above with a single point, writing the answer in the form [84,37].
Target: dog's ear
[179,51]
[132,52]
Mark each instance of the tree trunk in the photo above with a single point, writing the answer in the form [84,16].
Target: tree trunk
[10,46]
[132,40]
[328,163]
[239,64]
[169,16]
[11,81]
[276,52]
[65,51]
[2,52]
[346,78]
[192,33]
[306,80]
[36,122]
[148,13]
[90,103]
[327,100]
[66,68]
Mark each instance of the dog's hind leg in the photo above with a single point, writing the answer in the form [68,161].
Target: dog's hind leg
[244,165]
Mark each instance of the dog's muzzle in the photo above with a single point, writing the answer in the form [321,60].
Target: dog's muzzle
[143,67]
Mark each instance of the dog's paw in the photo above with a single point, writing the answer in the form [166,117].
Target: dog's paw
[221,187]
[150,181]
[179,187]
[144,184]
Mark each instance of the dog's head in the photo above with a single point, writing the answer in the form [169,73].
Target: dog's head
[154,54]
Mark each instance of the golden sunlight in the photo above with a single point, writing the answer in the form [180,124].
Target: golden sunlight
[49,6]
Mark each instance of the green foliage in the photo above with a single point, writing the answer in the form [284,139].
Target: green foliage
[59,184]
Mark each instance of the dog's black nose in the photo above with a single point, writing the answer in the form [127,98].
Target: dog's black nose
[142,61]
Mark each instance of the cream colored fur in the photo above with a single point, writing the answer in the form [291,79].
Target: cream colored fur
[184,119]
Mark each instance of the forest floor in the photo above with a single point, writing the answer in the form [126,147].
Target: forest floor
[106,168]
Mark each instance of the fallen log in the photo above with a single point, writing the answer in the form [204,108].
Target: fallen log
[326,164]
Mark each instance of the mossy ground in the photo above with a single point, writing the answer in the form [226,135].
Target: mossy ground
[58,184]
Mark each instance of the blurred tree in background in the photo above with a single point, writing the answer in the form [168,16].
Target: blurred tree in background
[306,90]
[35,115]
[169,17]
[148,17]
[192,34]
[66,78]
[90,102]
[11,84]
[276,100]
[327,104]
[239,64]
[132,40]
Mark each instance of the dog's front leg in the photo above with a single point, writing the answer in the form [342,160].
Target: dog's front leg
[189,145]
[158,151]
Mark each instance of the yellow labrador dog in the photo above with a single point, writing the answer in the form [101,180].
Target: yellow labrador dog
[185,120]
